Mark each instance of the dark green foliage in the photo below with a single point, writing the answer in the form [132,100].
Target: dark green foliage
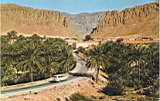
[81,49]
[78,97]
[34,58]
[12,34]
[115,87]
[96,59]
[137,65]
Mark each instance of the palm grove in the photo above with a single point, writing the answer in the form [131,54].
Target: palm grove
[127,66]
[25,59]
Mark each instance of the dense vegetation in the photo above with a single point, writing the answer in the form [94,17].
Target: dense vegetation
[127,66]
[25,59]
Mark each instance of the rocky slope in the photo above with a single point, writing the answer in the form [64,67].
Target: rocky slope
[28,20]
[84,23]
[142,20]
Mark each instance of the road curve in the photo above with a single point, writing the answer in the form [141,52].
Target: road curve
[80,68]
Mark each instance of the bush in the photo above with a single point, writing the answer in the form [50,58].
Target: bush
[87,38]
[79,97]
[115,87]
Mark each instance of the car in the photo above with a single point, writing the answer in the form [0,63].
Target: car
[60,77]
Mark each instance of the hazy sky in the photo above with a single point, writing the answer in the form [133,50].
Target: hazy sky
[79,6]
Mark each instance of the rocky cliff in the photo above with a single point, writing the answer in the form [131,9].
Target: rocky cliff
[141,20]
[84,23]
[138,20]
[29,20]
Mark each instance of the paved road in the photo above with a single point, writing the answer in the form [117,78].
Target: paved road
[80,68]
[38,88]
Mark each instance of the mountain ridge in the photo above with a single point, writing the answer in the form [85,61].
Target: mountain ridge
[98,24]
[141,20]
[29,20]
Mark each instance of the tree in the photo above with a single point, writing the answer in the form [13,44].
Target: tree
[30,64]
[96,60]
[33,58]
[136,65]
[87,38]
[115,87]
[12,35]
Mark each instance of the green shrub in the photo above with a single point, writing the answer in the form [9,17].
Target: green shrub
[79,97]
[115,87]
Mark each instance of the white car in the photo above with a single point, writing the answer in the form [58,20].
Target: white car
[60,77]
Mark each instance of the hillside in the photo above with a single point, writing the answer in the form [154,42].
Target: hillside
[28,20]
[84,23]
[142,20]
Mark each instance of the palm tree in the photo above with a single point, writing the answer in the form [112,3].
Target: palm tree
[68,59]
[30,60]
[12,35]
[33,58]
[21,38]
[96,60]
[4,41]
[30,64]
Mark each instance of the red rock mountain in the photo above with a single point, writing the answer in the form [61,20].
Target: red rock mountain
[28,20]
[142,20]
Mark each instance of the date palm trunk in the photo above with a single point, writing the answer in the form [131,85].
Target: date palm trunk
[97,74]
[31,75]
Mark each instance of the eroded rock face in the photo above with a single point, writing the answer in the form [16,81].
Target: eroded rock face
[138,20]
[29,20]
[84,23]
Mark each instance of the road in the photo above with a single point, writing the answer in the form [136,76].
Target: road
[80,68]
[38,88]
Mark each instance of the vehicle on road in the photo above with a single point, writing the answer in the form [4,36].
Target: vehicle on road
[60,77]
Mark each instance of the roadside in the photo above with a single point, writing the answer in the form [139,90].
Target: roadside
[25,85]
[59,91]
[85,87]
[38,88]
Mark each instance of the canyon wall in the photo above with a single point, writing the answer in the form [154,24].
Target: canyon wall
[29,21]
[141,20]
[84,23]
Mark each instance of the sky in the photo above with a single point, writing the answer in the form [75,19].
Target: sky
[79,6]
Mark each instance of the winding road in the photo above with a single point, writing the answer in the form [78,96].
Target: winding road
[80,68]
